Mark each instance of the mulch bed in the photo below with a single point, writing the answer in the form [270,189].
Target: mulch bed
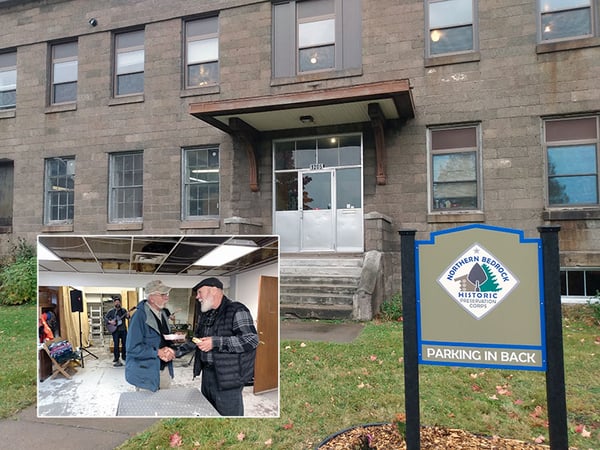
[387,437]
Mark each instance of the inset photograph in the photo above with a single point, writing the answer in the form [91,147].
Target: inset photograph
[158,326]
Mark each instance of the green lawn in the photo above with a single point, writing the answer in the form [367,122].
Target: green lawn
[326,387]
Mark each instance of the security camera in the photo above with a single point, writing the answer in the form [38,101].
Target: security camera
[93,22]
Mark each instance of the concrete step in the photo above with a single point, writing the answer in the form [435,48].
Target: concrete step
[301,298]
[320,289]
[325,312]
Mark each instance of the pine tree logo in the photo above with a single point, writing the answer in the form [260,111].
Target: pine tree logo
[478,281]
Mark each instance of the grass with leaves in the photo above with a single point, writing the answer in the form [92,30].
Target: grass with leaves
[326,387]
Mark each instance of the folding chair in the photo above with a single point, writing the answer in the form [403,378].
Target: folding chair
[64,366]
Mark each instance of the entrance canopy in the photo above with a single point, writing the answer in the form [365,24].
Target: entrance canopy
[247,118]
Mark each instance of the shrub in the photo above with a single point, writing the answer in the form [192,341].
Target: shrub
[18,279]
[391,310]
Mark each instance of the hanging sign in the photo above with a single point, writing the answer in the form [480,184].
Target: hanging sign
[480,299]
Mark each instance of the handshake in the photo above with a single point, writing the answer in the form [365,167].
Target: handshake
[187,347]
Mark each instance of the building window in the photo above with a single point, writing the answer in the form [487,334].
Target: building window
[580,282]
[60,190]
[126,187]
[455,179]
[451,26]
[64,73]
[129,63]
[201,183]
[202,52]
[572,156]
[565,19]
[8,80]
[6,195]
[316,35]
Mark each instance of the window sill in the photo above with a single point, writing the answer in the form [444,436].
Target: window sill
[6,229]
[125,226]
[8,113]
[64,228]
[139,98]
[314,78]
[573,44]
[201,224]
[572,214]
[61,108]
[456,217]
[444,60]
[203,90]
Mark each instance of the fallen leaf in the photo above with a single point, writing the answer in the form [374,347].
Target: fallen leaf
[373,358]
[288,426]
[540,439]
[493,397]
[518,401]
[537,412]
[475,388]
[175,440]
[269,442]
[302,345]
[241,436]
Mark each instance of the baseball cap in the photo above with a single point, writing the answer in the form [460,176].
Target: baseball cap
[212,281]
[157,286]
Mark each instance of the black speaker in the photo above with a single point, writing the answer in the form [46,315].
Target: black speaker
[76,301]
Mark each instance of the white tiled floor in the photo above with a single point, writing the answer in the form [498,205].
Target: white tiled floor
[95,389]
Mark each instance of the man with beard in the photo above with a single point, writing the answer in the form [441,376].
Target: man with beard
[225,341]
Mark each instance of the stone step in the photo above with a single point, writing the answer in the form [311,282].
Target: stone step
[324,312]
[324,281]
[318,290]
[300,298]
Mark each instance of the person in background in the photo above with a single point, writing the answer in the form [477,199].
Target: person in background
[148,352]
[225,341]
[115,324]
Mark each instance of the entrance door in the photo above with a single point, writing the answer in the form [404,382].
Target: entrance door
[316,225]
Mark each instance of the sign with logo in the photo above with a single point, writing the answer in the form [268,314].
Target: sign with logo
[480,299]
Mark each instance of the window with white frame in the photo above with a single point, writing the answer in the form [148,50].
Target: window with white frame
[451,26]
[580,282]
[8,80]
[129,63]
[202,52]
[316,35]
[126,187]
[60,190]
[454,165]
[201,183]
[64,73]
[565,19]
[572,161]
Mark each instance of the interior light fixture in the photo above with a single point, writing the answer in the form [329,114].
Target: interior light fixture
[226,253]
[43,254]
[435,35]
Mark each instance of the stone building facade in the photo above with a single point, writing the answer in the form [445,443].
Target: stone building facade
[148,117]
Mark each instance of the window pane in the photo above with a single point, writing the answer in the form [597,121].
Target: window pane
[305,154]
[8,59]
[131,39]
[347,188]
[592,282]
[450,13]
[572,160]
[573,190]
[316,33]
[566,24]
[65,72]
[62,51]
[60,184]
[553,5]
[571,129]
[8,99]
[316,193]
[286,191]
[201,182]
[8,80]
[128,62]
[454,167]
[451,40]
[63,93]
[203,74]
[350,153]
[126,186]
[284,155]
[328,153]
[575,282]
[130,84]
[203,51]
[317,58]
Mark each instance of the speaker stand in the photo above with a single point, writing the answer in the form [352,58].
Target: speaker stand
[81,344]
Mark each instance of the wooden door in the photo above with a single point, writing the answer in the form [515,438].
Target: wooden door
[266,369]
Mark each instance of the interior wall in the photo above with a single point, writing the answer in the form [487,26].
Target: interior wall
[244,287]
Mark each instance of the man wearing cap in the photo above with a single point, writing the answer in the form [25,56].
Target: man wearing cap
[226,342]
[148,352]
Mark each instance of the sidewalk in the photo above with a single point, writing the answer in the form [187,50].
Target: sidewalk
[27,431]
